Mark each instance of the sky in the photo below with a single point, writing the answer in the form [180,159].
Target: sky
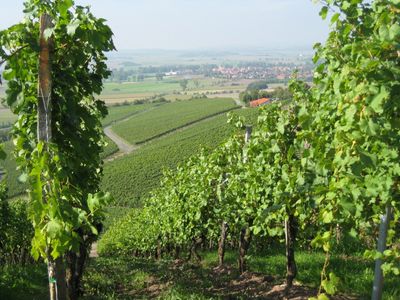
[201,24]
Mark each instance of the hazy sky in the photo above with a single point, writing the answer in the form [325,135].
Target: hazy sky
[201,24]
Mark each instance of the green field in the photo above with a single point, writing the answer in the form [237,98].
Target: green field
[169,117]
[170,89]
[132,177]
[149,86]
[6,117]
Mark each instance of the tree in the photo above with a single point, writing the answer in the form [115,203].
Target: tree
[59,136]
[184,83]
[160,76]
[139,77]
[257,85]
[196,83]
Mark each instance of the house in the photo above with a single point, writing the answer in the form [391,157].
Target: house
[259,102]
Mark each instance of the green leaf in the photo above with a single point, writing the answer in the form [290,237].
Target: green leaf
[64,5]
[48,33]
[23,177]
[54,229]
[324,12]
[9,74]
[71,28]
[327,217]
[335,18]
[330,286]
[322,297]
[394,31]
[377,102]
[3,154]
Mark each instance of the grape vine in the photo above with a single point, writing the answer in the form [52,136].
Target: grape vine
[64,170]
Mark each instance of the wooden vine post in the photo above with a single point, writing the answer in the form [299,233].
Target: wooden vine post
[383,231]
[221,243]
[57,285]
[290,236]
[245,233]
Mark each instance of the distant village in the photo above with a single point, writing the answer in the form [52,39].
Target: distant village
[275,72]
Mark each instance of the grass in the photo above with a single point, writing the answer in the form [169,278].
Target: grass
[132,177]
[169,117]
[132,278]
[21,283]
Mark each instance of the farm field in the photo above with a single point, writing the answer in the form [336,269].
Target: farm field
[6,117]
[132,177]
[149,86]
[169,117]
[170,89]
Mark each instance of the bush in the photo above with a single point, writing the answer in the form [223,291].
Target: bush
[16,232]
[258,85]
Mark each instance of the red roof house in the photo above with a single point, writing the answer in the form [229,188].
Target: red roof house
[259,102]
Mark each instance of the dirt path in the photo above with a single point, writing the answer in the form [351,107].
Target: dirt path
[126,148]
[123,145]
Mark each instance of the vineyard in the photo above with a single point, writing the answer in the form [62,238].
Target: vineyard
[117,113]
[297,199]
[130,178]
[172,116]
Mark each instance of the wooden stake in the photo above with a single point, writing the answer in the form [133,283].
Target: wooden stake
[383,230]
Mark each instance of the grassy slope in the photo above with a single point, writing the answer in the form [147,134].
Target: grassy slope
[130,178]
[169,117]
